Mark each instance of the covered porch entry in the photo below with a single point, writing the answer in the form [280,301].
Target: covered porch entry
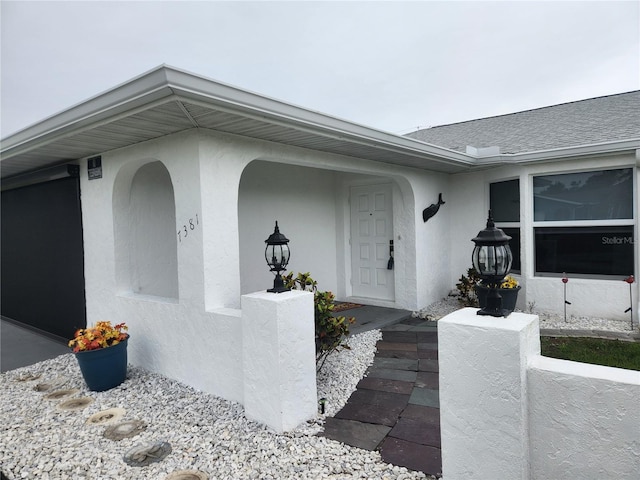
[346,229]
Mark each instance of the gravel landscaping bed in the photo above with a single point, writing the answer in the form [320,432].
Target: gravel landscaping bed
[207,436]
[203,436]
[547,320]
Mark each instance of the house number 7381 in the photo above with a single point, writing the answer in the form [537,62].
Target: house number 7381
[187,228]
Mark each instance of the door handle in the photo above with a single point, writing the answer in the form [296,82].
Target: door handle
[390,262]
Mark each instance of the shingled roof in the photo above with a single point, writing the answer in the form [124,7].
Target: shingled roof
[585,122]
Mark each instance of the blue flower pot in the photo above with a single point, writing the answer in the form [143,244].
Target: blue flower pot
[104,368]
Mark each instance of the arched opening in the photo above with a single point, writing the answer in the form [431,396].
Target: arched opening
[312,206]
[303,201]
[145,237]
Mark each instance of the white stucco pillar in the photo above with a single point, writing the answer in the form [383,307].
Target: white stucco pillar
[483,394]
[278,353]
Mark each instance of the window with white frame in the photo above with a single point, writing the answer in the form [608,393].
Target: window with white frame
[583,223]
[504,202]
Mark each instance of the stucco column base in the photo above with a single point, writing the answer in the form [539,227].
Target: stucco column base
[278,354]
[483,394]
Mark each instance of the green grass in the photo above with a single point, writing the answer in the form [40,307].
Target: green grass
[612,353]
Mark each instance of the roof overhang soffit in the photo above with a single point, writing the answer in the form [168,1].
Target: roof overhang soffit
[166,100]
[166,85]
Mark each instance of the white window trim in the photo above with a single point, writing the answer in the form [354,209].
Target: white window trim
[533,224]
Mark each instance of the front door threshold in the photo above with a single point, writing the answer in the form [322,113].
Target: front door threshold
[376,302]
[369,317]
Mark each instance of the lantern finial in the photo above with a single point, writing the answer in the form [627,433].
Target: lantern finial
[490,223]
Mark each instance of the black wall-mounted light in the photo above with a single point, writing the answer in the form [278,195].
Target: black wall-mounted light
[277,255]
[492,260]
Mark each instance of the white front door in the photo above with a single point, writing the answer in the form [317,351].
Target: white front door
[371,234]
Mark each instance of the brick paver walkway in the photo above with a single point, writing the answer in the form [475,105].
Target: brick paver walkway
[396,408]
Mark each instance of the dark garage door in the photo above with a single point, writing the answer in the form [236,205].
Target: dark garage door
[42,266]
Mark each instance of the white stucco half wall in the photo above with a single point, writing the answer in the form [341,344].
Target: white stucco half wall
[584,420]
[185,320]
[507,412]
[278,354]
[483,394]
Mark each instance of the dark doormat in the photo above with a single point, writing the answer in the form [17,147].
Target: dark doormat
[341,306]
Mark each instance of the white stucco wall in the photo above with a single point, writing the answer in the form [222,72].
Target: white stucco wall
[483,394]
[195,336]
[470,203]
[280,382]
[150,219]
[421,251]
[433,238]
[584,420]
[173,336]
[507,412]
[206,168]
[312,208]
[219,182]
[303,201]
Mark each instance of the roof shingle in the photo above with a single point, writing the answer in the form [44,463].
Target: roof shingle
[584,122]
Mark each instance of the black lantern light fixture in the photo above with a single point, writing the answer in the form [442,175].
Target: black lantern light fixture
[277,256]
[492,259]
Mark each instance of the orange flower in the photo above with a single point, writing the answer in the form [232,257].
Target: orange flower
[102,335]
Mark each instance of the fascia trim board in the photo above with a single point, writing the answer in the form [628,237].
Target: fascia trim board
[128,94]
[338,134]
[618,146]
[164,84]
[233,100]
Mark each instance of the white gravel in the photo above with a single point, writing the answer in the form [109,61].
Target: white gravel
[547,320]
[342,371]
[206,433]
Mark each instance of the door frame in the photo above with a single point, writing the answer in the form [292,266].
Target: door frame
[351,274]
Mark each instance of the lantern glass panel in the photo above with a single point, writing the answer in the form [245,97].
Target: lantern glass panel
[489,260]
[284,255]
[269,255]
[277,256]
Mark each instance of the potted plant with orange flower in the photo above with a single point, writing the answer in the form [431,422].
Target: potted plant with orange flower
[101,352]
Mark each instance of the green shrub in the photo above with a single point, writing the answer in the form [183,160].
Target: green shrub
[330,330]
[466,288]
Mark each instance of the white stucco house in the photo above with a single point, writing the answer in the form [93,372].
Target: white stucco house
[181,178]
